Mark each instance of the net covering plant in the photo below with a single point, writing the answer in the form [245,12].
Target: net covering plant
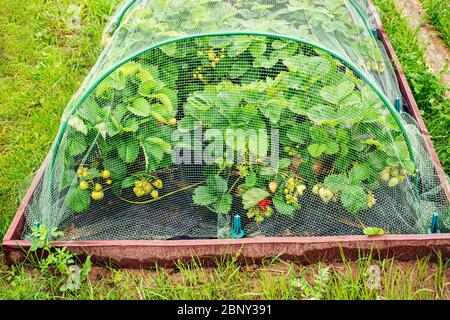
[281,112]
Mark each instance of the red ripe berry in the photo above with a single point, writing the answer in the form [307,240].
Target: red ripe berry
[264,203]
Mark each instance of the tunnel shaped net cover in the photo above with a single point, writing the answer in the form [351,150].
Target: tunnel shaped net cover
[285,113]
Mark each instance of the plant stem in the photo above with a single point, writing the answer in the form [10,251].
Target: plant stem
[234,184]
[166,195]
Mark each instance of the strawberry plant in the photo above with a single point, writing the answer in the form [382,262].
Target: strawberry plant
[317,21]
[338,141]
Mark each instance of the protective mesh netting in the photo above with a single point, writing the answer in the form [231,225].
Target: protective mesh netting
[280,112]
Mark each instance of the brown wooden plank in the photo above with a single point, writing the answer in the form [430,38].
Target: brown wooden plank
[147,253]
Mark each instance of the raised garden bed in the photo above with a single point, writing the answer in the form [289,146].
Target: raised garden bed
[145,253]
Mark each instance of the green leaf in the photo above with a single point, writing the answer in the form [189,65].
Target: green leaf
[238,69]
[331,148]
[344,150]
[166,98]
[315,150]
[284,163]
[90,111]
[275,56]
[342,163]
[76,144]
[128,150]
[321,115]
[217,185]
[283,208]
[102,130]
[117,168]
[272,112]
[78,124]
[128,69]
[390,123]
[169,74]
[148,73]
[223,205]
[128,182]
[160,112]
[342,136]
[214,194]
[353,113]
[203,197]
[257,48]
[263,62]
[279,44]
[335,93]
[373,231]
[299,104]
[369,97]
[319,135]
[169,49]
[296,134]
[165,146]
[201,101]
[140,107]
[228,99]
[351,100]
[67,179]
[219,42]
[239,45]
[359,173]
[354,199]
[409,166]
[130,125]
[336,182]
[78,200]
[250,181]
[295,63]
[156,147]
[254,196]
[86,269]
[186,124]
[147,88]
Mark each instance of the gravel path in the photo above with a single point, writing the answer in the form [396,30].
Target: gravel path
[437,54]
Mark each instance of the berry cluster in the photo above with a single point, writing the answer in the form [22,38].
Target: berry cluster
[215,57]
[325,193]
[293,190]
[263,210]
[144,187]
[393,176]
[197,74]
[90,179]
[242,169]
[371,201]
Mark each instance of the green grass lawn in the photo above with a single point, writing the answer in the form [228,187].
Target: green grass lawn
[43,64]
[44,61]
[274,279]
[438,14]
